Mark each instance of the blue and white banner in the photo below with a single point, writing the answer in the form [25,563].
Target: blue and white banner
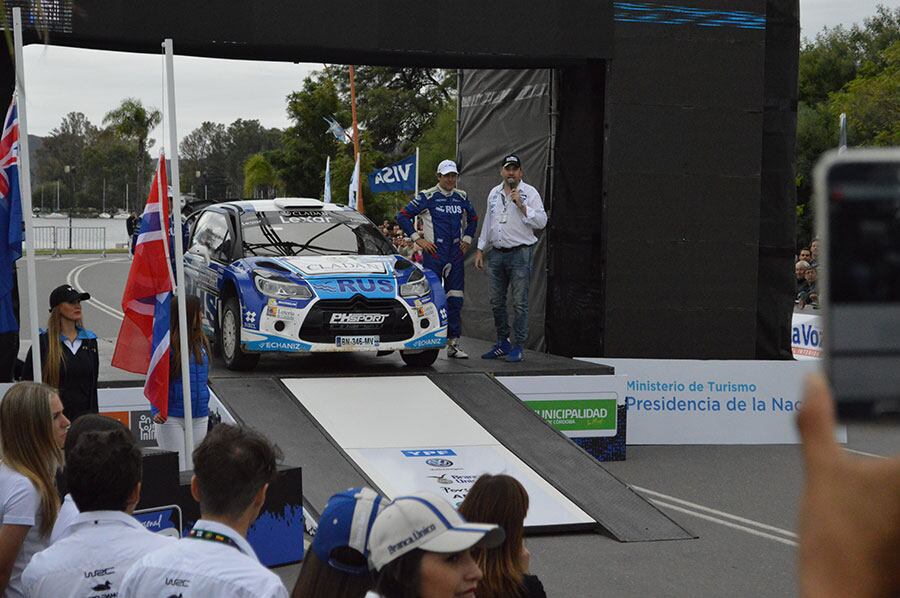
[165,520]
[682,401]
[400,176]
[806,336]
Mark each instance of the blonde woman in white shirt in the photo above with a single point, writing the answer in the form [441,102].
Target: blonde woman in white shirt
[32,433]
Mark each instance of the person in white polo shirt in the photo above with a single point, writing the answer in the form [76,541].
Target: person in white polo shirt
[514,212]
[68,511]
[103,475]
[232,470]
[422,547]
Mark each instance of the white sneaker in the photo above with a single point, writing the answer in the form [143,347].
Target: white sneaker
[453,350]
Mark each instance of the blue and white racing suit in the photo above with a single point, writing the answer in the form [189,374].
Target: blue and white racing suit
[449,219]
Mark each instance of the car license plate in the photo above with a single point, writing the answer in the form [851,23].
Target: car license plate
[356,341]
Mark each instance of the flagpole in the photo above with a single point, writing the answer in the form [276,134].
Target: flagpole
[416,190]
[327,193]
[25,195]
[359,200]
[179,261]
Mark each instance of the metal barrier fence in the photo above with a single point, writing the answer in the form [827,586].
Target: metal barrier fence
[57,238]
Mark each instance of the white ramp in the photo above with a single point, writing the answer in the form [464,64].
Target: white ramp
[407,436]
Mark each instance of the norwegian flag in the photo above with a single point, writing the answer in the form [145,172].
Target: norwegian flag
[143,343]
[10,215]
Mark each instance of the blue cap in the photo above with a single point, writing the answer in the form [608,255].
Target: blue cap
[347,521]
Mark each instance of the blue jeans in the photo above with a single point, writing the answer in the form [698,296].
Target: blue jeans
[510,270]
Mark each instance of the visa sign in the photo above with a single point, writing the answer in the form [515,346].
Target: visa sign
[393,174]
[399,176]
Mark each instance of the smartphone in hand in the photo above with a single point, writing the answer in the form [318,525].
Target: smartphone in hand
[857,194]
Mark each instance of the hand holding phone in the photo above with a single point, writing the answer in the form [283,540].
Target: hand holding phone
[858,221]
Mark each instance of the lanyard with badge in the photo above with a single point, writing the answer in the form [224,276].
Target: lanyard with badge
[201,534]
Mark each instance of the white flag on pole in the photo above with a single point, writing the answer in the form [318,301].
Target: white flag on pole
[169,70]
[24,168]
[842,143]
[354,186]
[328,179]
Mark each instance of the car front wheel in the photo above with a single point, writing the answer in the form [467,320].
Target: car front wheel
[420,358]
[235,358]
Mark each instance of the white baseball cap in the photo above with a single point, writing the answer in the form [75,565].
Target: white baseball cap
[425,521]
[447,166]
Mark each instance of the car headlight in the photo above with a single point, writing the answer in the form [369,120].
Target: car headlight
[417,286]
[280,289]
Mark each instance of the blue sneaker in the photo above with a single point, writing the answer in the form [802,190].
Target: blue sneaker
[498,350]
[516,354]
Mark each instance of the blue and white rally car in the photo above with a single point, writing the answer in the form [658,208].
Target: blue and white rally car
[298,275]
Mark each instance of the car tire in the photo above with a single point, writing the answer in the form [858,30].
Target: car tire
[235,358]
[420,358]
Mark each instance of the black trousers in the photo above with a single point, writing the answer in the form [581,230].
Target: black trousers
[9,352]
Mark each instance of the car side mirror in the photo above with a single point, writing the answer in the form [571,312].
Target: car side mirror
[201,251]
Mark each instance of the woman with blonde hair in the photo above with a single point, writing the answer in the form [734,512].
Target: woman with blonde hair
[502,500]
[70,362]
[170,429]
[32,432]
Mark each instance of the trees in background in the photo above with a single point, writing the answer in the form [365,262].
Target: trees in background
[213,156]
[305,144]
[202,153]
[853,70]
[82,161]
[132,121]
[398,108]
[62,158]
[260,178]
[246,138]
[108,163]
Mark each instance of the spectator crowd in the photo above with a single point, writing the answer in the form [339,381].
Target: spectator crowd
[366,546]
[67,493]
[806,269]
[403,244]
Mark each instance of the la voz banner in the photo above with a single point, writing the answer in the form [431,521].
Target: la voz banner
[400,176]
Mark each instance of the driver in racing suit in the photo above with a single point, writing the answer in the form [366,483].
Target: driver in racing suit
[444,211]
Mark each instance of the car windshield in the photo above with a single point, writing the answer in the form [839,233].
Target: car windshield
[311,232]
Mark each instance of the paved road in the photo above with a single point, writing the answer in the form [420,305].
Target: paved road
[741,501]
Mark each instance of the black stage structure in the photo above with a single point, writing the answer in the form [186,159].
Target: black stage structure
[664,150]
[668,174]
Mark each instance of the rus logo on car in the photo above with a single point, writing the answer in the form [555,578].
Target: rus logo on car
[345,318]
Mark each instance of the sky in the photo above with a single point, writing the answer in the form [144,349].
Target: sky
[61,80]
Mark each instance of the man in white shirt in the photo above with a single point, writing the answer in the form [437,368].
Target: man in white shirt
[103,475]
[232,470]
[514,212]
